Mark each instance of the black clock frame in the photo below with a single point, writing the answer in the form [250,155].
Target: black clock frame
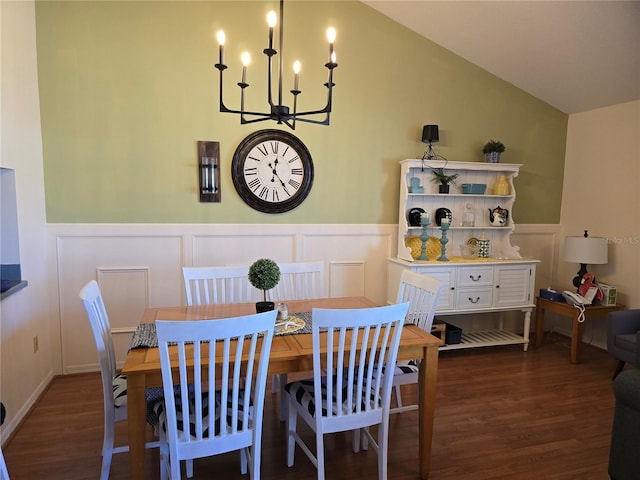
[247,194]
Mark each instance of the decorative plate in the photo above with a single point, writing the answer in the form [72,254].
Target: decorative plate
[443,213]
[434,247]
[413,216]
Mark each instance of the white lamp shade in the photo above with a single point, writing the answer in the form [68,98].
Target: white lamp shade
[587,250]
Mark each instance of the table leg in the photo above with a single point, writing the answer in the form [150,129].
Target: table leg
[527,328]
[576,336]
[539,324]
[136,412]
[427,384]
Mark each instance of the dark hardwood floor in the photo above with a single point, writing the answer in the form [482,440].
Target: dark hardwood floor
[501,414]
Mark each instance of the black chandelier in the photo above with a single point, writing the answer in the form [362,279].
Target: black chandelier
[279,112]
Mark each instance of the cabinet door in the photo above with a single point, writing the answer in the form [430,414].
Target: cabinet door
[512,285]
[447,277]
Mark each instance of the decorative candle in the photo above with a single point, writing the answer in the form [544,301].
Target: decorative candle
[220,36]
[271,21]
[445,220]
[296,71]
[331,36]
[424,219]
[246,58]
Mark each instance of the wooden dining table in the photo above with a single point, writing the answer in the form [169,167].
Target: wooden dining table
[289,353]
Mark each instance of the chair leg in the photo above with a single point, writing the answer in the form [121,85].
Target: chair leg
[383,448]
[398,396]
[274,388]
[284,402]
[320,454]
[291,427]
[107,446]
[243,460]
[618,369]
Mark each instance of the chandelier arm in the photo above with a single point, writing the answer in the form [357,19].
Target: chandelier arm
[269,53]
[316,122]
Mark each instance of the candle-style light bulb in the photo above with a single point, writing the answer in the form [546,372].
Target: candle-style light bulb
[245,58]
[220,36]
[271,21]
[331,36]
[296,71]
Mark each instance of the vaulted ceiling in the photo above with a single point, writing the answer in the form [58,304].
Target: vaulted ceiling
[575,55]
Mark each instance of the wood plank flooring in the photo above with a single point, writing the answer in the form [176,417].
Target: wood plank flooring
[501,414]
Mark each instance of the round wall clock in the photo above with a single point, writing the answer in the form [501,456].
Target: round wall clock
[272,171]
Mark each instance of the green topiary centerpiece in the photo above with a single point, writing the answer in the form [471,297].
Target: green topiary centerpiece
[264,274]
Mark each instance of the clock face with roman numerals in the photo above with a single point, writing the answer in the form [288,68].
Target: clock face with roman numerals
[272,171]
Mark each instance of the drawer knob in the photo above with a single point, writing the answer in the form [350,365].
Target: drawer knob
[474,301]
[475,279]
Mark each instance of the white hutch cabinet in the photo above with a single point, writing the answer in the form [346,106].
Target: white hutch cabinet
[502,282]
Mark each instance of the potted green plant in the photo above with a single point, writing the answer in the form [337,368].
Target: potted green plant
[264,274]
[492,150]
[439,176]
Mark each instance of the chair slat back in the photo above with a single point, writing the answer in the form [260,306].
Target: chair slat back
[358,343]
[96,312]
[422,292]
[299,281]
[213,285]
[230,418]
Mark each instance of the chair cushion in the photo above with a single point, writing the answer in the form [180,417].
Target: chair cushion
[152,394]
[403,368]
[119,385]
[159,410]
[303,393]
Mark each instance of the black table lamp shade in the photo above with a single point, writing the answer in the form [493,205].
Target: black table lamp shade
[430,134]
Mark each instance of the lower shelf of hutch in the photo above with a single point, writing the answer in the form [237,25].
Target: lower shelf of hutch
[489,338]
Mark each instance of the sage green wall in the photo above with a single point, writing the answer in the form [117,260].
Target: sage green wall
[128,88]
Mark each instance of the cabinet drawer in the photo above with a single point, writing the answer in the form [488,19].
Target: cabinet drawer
[471,298]
[475,276]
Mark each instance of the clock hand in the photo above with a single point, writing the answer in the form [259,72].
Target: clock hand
[275,175]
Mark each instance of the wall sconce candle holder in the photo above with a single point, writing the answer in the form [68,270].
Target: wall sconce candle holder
[209,171]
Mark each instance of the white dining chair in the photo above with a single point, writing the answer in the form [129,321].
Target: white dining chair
[422,292]
[114,385]
[298,281]
[198,421]
[355,343]
[213,285]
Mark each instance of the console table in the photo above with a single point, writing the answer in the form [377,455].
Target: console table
[544,305]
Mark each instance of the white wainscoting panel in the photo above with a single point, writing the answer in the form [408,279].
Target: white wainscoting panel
[139,265]
[347,279]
